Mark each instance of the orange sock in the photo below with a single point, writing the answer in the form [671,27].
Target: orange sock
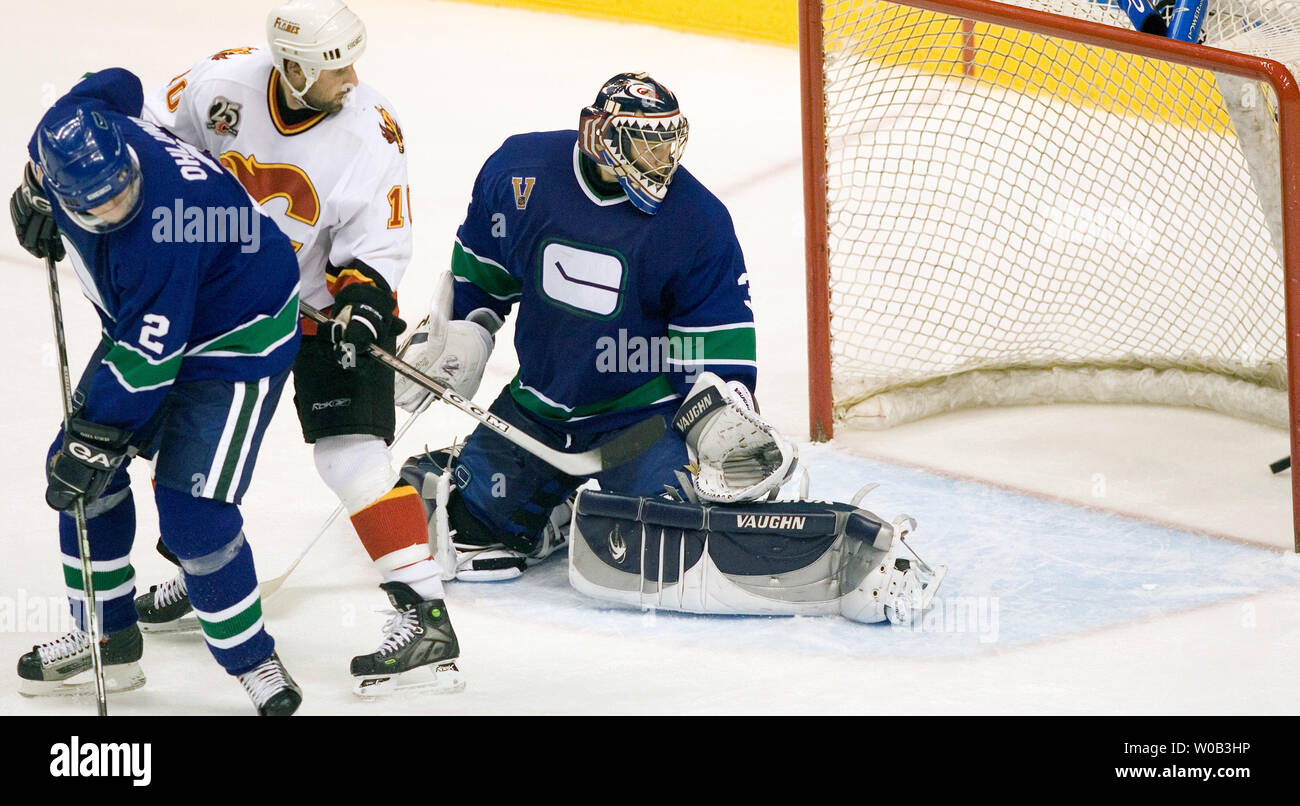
[395,533]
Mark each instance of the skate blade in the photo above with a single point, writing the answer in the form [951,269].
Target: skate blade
[443,678]
[182,624]
[117,679]
[494,575]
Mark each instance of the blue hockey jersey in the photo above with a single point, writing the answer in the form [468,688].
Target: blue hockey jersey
[619,311]
[198,285]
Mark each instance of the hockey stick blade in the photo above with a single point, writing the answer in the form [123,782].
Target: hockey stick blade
[625,446]
[1280,464]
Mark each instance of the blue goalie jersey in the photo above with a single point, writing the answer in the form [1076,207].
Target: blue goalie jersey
[619,311]
[198,285]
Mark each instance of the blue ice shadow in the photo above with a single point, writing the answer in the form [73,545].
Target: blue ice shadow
[1021,569]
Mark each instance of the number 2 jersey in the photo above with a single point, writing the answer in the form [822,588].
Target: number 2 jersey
[618,310]
[196,285]
[336,184]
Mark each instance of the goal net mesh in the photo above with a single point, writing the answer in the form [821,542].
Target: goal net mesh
[1014,218]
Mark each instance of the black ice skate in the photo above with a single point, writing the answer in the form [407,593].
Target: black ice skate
[166,607]
[271,688]
[63,667]
[418,652]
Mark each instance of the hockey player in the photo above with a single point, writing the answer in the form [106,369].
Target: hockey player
[199,317]
[631,300]
[326,156]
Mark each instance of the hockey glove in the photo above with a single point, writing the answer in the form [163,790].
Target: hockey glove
[454,353]
[83,467]
[34,219]
[363,315]
[735,455]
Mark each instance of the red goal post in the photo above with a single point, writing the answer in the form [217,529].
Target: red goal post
[824,304]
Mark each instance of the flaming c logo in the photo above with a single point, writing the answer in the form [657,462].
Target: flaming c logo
[265,181]
[390,130]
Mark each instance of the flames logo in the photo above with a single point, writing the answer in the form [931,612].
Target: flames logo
[222,55]
[390,130]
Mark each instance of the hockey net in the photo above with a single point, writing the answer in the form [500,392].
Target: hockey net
[1007,206]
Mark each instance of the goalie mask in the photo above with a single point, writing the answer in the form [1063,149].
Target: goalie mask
[636,129]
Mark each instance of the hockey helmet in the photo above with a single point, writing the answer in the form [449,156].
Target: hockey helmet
[88,164]
[637,130]
[317,34]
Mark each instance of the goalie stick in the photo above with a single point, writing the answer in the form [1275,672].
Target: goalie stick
[625,446]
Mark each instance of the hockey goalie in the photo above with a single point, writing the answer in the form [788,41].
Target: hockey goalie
[580,231]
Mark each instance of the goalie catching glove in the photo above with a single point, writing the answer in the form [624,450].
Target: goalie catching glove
[453,352]
[735,455]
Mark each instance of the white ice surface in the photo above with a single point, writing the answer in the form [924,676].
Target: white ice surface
[1069,607]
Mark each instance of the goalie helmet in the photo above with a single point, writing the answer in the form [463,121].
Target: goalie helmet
[636,129]
[317,34]
[88,164]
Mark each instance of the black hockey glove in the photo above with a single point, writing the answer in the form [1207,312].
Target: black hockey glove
[91,454]
[363,315]
[33,220]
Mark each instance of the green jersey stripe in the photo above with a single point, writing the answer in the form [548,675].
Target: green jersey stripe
[256,337]
[657,389]
[717,346]
[487,275]
[139,373]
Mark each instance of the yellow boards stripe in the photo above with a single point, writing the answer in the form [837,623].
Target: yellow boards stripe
[933,43]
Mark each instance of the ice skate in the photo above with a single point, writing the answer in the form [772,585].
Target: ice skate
[271,688]
[166,608]
[497,562]
[418,652]
[897,589]
[63,667]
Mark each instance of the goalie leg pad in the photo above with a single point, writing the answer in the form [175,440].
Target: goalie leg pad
[788,558]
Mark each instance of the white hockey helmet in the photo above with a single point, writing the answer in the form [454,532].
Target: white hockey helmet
[317,34]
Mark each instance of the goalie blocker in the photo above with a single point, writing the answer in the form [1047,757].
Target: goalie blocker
[785,558]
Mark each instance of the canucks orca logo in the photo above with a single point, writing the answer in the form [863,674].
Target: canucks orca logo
[223,116]
[390,130]
[617,546]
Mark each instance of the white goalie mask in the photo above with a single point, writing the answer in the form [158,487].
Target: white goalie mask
[318,35]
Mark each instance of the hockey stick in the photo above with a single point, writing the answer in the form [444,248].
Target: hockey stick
[79,507]
[270,586]
[625,446]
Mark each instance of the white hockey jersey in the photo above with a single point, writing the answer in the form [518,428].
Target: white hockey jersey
[335,184]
